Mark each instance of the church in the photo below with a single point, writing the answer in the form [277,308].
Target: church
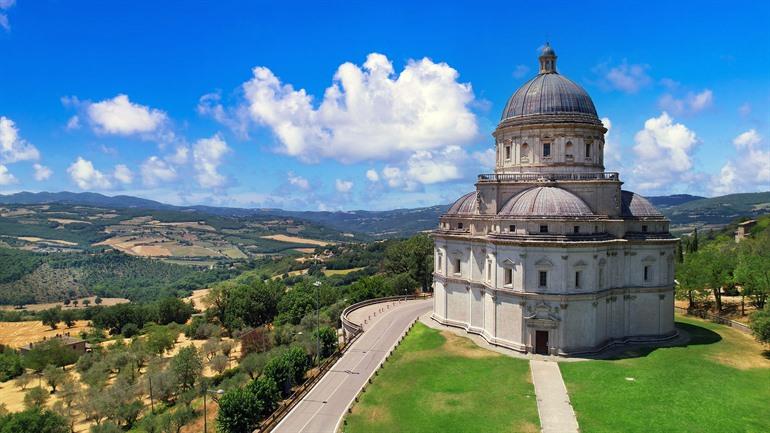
[549,254]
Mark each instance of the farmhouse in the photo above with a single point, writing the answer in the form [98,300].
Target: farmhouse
[549,254]
[77,344]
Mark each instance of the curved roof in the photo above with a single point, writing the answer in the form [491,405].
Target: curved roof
[634,205]
[549,93]
[465,205]
[545,201]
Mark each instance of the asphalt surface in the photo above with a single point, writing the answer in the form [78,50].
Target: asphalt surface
[322,409]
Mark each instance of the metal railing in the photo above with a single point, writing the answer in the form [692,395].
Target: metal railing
[547,177]
[715,318]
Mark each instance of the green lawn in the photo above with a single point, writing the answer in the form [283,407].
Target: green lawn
[719,382]
[438,382]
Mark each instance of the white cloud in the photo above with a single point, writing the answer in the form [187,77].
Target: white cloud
[749,171]
[41,172]
[487,159]
[123,174]
[372,175]
[86,177]
[343,186]
[426,167]
[520,71]
[179,156]
[4,6]
[13,148]
[690,104]
[236,119]
[663,153]
[6,178]
[120,116]
[73,123]
[298,181]
[368,112]
[207,156]
[629,78]
[155,171]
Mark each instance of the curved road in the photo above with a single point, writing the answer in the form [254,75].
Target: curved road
[323,407]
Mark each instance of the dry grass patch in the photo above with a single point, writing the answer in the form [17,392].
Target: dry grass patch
[298,240]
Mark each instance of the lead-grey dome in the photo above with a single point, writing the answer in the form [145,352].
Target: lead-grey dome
[636,206]
[465,205]
[549,93]
[545,201]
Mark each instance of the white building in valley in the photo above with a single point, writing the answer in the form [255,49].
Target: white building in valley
[549,254]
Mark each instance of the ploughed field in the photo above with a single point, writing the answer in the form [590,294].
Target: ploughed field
[437,381]
[717,382]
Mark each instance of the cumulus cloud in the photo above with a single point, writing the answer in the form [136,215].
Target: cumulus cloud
[207,156]
[155,171]
[749,170]
[372,175]
[425,167]
[612,151]
[663,152]
[6,178]
[298,181]
[368,112]
[343,186]
[236,119]
[86,177]
[180,155]
[41,172]
[487,159]
[629,78]
[123,174]
[73,123]
[13,148]
[4,6]
[120,116]
[690,104]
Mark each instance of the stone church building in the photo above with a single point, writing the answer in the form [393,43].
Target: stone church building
[549,254]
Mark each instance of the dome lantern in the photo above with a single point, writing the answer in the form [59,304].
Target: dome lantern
[547,60]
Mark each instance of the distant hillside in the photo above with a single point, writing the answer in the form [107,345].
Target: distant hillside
[82,198]
[719,210]
[664,201]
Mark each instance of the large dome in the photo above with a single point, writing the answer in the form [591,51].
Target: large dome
[545,201]
[549,93]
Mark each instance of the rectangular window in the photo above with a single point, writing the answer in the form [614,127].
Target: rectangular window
[588,150]
[644,229]
[577,279]
[646,273]
[546,150]
[489,270]
[543,229]
[459,226]
[438,261]
[543,279]
[576,229]
[601,278]
[507,152]
[512,228]
[508,276]
[457,266]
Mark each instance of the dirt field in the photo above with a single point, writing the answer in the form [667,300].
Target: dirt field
[53,241]
[45,306]
[330,272]
[198,298]
[17,334]
[298,240]
[67,221]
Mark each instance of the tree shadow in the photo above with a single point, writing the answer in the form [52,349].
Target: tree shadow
[687,335]
[766,354]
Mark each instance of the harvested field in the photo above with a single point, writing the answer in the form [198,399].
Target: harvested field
[17,334]
[47,305]
[52,241]
[298,240]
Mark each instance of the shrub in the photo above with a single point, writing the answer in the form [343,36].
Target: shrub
[129,330]
[239,412]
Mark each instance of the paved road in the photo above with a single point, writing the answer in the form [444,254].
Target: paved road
[323,407]
[556,414]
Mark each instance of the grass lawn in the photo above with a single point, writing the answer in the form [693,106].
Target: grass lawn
[439,382]
[719,382]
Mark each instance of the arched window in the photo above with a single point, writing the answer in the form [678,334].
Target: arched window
[525,152]
[568,150]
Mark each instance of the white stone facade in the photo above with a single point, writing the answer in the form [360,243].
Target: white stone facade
[548,254]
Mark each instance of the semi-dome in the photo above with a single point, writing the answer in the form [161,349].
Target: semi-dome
[549,93]
[634,205]
[545,201]
[465,205]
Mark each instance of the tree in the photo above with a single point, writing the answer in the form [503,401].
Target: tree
[253,364]
[54,377]
[33,420]
[87,302]
[239,412]
[414,257]
[257,340]
[160,339]
[51,317]
[760,324]
[219,363]
[97,301]
[753,268]
[187,367]
[35,398]
[173,310]
[68,317]
[49,352]
[329,341]
[266,391]
[10,364]
[129,330]
[210,348]
[23,380]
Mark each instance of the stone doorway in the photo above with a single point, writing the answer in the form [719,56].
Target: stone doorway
[541,342]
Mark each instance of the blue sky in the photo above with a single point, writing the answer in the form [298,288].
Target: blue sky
[366,105]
